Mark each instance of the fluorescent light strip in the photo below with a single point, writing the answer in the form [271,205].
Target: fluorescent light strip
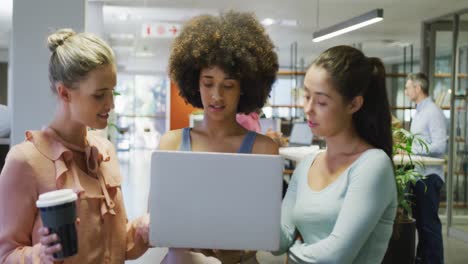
[366,19]
[348,29]
[268,21]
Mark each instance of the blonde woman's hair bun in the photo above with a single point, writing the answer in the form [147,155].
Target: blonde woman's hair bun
[74,55]
[59,37]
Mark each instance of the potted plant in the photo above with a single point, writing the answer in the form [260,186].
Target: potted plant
[401,248]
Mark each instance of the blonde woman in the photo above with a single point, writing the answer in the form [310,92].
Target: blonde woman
[64,154]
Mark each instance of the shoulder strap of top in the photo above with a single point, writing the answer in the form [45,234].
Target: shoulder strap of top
[186,145]
[248,142]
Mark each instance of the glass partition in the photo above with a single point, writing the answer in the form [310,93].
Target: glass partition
[445,59]
[460,166]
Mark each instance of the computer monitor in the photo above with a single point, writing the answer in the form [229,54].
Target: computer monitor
[270,123]
[301,135]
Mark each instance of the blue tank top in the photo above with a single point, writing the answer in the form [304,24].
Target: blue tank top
[246,146]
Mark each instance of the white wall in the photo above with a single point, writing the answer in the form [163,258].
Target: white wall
[94,19]
[29,95]
[149,65]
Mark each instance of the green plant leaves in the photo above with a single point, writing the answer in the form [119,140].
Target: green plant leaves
[405,174]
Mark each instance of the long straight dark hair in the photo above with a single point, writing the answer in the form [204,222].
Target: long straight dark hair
[353,74]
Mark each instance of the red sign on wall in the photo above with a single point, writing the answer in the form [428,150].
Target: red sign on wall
[160,30]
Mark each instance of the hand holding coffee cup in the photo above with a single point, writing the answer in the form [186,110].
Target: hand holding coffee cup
[58,213]
[49,245]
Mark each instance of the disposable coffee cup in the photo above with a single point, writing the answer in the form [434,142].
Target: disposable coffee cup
[58,214]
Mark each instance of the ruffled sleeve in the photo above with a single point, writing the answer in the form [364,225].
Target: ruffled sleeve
[18,195]
[58,154]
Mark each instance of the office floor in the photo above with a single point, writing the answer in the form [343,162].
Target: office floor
[135,170]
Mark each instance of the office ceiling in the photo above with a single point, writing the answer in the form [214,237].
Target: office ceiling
[123,23]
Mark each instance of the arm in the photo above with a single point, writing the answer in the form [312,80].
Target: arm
[136,230]
[265,145]
[136,245]
[139,228]
[18,212]
[170,140]
[371,189]
[437,134]
[288,229]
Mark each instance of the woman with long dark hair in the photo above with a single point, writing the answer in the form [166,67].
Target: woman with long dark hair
[341,203]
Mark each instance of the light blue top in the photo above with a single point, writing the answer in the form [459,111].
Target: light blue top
[349,221]
[430,123]
[246,146]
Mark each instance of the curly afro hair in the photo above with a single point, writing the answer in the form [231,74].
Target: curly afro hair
[235,42]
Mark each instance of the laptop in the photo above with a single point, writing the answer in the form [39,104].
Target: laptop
[301,135]
[215,200]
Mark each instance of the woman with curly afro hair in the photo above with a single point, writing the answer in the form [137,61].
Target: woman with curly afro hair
[225,65]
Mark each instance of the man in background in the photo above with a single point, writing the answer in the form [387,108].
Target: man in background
[430,124]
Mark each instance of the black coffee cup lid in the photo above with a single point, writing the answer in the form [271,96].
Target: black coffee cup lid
[57,197]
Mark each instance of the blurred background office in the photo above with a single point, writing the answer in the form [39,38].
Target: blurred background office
[420,35]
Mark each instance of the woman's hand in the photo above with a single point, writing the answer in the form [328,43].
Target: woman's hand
[277,137]
[46,240]
[47,251]
[142,228]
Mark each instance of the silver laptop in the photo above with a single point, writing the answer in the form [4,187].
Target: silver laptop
[215,200]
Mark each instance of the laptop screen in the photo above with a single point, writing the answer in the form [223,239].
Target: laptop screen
[301,134]
[192,206]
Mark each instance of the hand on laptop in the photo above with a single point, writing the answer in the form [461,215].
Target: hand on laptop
[142,228]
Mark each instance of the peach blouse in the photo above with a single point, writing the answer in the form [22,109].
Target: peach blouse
[45,162]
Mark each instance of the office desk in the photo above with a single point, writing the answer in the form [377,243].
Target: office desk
[418,159]
[298,153]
